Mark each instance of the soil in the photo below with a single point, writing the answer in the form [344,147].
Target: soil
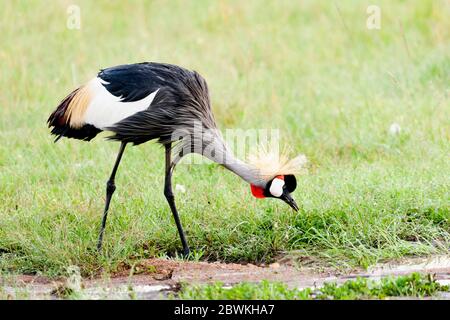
[153,278]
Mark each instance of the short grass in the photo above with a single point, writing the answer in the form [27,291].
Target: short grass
[310,68]
[413,285]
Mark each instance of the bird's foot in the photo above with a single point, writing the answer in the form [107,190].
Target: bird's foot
[186,253]
[181,254]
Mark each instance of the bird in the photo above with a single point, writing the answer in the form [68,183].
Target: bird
[171,105]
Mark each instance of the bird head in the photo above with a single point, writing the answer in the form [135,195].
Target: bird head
[277,171]
[280,187]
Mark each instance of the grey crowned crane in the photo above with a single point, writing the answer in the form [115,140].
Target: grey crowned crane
[147,101]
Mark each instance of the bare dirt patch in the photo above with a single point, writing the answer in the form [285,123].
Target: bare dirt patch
[152,277]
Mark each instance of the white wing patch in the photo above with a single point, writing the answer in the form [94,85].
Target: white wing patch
[276,188]
[105,109]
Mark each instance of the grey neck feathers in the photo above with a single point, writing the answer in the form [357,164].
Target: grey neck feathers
[212,146]
[226,158]
[246,172]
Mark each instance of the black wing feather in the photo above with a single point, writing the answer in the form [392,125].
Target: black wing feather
[134,82]
[182,100]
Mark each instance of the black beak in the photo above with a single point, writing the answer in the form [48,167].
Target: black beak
[286,197]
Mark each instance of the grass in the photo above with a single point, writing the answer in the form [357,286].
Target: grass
[330,85]
[413,285]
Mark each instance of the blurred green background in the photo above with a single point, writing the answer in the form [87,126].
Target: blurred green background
[310,68]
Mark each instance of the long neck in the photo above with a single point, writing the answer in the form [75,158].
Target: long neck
[209,143]
[215,149]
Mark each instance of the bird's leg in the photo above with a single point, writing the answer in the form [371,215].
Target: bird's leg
[110,188]
[171,199]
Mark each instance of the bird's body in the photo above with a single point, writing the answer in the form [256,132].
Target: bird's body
[147,101]
[138,102]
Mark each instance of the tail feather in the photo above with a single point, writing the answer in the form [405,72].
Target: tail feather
[66,120]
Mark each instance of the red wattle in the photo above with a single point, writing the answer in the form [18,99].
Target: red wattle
[257,192]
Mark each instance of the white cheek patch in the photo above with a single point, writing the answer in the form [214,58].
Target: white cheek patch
[276,188]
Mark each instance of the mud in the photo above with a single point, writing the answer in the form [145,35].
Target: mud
[155,278]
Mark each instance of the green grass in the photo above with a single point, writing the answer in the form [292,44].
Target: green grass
[330,85]
[413,285]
